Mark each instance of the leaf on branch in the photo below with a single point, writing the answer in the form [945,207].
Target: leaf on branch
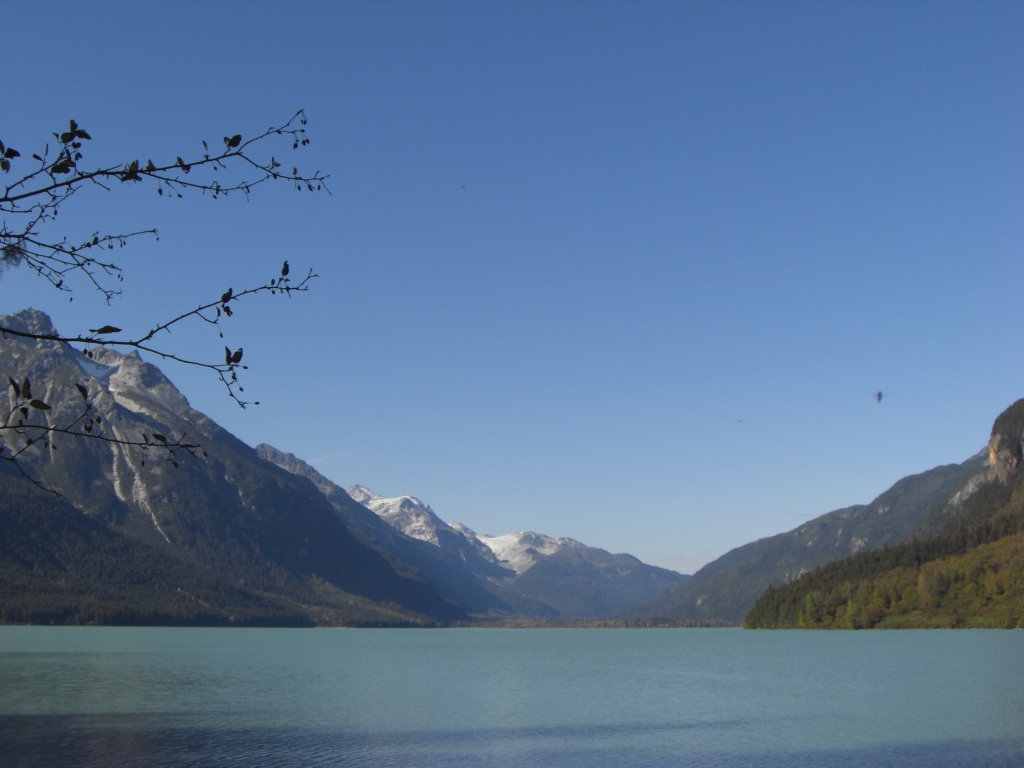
[185,167]
[237,357]
[284,270]
[105,329]
[9,153]
[226,296]
[227,356]
[161,438]
[131,173]
[26,389]
[39,405]
[15,387]
[233,142]
[82,391]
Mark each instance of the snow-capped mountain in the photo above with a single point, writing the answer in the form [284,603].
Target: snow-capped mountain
[403,513]
[520,551]
[410,516]
[569,577]
[516,552]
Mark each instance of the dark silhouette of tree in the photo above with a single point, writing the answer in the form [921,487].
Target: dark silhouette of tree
[33,200]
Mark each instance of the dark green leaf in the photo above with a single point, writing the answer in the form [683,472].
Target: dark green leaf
[11,153]
[284,270]
[39,405]
[82,391]
[105,329]
[237,357]
[227,356]
[226,296]
[26,389]
[158,436]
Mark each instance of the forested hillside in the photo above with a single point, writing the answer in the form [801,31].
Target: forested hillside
[61,566]
[727,588]
[972,575]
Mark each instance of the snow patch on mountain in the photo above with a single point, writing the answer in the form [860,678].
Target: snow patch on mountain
[90,368]
[141,387]
[521,551]
[403,513]
[517,552]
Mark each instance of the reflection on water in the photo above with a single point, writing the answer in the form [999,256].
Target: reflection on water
[702,698]
[168,740]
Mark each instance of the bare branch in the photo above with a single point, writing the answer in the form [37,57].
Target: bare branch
[31,203]
[36,197]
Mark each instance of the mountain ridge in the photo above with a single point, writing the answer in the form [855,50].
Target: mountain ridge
[726,588]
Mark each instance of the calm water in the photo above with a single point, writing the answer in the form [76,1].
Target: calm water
[241,697]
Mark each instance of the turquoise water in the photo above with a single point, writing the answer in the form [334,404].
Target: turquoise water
[701,697]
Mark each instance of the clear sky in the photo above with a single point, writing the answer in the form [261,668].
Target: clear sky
[626,272]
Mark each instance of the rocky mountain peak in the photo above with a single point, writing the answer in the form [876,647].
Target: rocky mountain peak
[29,321]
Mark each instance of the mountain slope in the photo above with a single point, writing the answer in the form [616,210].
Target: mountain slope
[727,588]
[448,571]
[413,518]
[249,522]
[58,565]
[971,575]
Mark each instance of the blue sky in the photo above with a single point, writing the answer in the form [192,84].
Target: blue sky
[625,272]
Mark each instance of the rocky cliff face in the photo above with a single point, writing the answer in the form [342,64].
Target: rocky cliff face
[1006,446]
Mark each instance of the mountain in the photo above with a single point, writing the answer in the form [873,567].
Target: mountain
[969,575]
[460,575]
[230,519]
[413,518]
[566,577]
[727,588]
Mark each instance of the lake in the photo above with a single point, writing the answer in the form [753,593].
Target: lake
[102,696]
